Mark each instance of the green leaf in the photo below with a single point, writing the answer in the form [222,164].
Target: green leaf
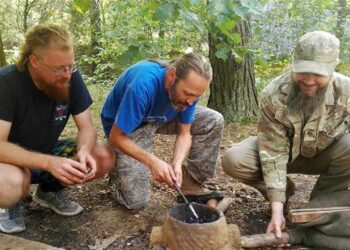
[240,10]
[252,5]
[129,56]
[227,25]
[237,57]
[189,3]
[222,53]
[260,61]
[194,2]
[82,6]
[234,38]
[191,18]
[217,8]
[164,12]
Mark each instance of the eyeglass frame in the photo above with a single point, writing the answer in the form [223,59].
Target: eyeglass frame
[61,70]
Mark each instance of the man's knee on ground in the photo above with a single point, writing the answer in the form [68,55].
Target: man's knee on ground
[14,185]
[136,201]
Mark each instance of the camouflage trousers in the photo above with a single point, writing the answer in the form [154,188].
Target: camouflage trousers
[242,162]
[130,179]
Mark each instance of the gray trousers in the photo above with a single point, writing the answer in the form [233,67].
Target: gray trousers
[130,179]
[242,162]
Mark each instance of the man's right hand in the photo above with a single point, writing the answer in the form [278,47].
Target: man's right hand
[161,171]
[67,170]
[278,222]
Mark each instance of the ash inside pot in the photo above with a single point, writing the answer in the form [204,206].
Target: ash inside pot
[205,213]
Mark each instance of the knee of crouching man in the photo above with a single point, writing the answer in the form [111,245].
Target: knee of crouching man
[230,162]
[132,200]
[137,203]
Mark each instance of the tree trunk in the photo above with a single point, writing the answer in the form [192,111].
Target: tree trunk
[2,53]
[232,91]
[26,11]
[341,18]
[95,24]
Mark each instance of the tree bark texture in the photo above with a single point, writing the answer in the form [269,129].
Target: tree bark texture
[342,13]
[2,53]
[26,11]
[95,26]
[232,91]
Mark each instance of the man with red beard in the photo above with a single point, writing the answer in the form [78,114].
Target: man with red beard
[161,97]
[303,128]
[37,96]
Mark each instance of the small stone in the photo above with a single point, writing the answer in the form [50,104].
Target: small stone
[238,200]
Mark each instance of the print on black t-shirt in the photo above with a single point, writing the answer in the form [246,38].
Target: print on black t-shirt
[60,112]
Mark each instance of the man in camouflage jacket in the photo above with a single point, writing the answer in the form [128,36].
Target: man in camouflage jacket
[303,128]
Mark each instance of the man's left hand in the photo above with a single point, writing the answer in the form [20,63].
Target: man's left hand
[89,162]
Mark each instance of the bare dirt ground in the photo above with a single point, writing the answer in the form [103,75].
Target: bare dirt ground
[106,225]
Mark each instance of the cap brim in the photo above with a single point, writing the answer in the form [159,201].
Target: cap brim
[314,67]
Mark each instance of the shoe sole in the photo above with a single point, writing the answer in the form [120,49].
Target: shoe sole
[15,230]
[46,204]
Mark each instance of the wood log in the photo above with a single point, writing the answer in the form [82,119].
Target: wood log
[212,203]
[309,214]
[156,237]
[263,240]
[224,204]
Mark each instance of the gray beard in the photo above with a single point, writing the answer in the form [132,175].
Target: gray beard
[299,103]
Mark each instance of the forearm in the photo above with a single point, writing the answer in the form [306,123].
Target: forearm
[130,148]
[277,208]
[15,155]
[86,139]
[182,146]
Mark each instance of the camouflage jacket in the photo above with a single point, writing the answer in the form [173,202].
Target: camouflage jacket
[282,136]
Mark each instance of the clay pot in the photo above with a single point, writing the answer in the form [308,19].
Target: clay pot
[180,231]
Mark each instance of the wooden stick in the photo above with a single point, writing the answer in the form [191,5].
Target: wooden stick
[309,214]
[263,240]
[212,203]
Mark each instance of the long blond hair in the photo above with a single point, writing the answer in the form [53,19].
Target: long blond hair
[49,36]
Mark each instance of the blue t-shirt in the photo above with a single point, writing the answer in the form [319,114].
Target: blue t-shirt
[138,96]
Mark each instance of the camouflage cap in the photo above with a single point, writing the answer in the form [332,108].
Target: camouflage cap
[316,52]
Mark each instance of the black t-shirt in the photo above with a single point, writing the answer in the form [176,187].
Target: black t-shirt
[37,121]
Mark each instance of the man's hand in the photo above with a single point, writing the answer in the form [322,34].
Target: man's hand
[278,222]
[178,173]
[67,170]
[88,163]
[161,171]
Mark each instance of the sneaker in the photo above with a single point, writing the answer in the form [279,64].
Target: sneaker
[12,220]
[57,201]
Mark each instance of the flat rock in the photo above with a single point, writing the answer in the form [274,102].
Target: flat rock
[8,242]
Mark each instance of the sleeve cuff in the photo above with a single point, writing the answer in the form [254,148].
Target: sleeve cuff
[277,195]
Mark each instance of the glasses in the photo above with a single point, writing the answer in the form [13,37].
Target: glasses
[61,70]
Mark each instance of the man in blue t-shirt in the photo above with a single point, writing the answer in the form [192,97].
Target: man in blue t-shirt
[161,97]
[37,96]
